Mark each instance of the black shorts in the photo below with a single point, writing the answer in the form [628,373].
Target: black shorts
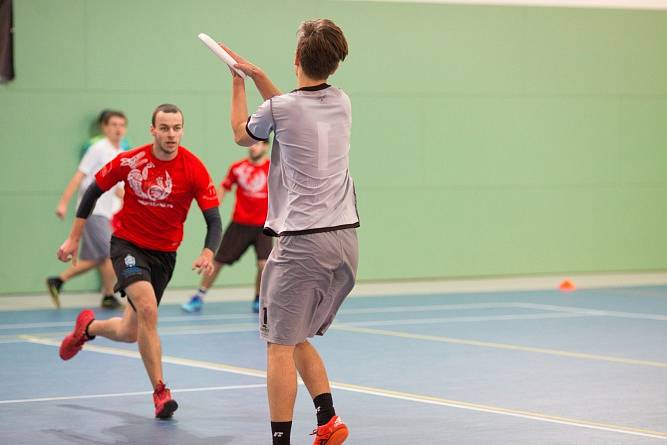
[133,263]
[237,239]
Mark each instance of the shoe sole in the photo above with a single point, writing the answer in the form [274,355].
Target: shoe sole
[338,437]
[55,296]
[167,410]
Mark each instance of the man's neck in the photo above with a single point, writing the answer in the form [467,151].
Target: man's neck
[161,155]
[257,161]
[115,143]
[305,81]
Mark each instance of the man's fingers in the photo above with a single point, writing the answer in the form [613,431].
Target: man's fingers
[245,67]
[231,53]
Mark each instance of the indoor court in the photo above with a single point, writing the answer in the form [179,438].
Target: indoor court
[502,165]
[465,366]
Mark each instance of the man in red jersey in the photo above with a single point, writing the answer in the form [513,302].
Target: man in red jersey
[246,229]
[161,180]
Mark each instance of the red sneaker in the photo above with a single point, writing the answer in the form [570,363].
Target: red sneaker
[333,432]
[164,404]
[73,343]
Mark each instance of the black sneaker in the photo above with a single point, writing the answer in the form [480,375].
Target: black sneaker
[53,284]
[111,302]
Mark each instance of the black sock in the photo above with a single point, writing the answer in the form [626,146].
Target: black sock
[86,331]
[281,432]
[324,408]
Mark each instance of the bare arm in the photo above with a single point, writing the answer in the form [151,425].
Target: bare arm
[120,190]
[221,194]
[68,250]
[72,186]
[239,113]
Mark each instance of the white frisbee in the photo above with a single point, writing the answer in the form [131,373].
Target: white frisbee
[221,53]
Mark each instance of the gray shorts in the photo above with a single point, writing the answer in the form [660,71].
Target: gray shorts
[96,239]
[304,283]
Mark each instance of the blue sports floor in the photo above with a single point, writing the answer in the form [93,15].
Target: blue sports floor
[544,367]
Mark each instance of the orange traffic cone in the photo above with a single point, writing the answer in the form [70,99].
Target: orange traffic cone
[566,286]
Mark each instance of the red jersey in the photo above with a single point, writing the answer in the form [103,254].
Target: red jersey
[158,195]
[252,191]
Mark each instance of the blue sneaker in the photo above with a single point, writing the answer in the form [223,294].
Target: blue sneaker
[255,306]
[194,305]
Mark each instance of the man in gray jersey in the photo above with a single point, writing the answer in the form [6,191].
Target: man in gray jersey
[312,209]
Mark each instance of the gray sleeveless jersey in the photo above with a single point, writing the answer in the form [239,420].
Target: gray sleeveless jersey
[310,188]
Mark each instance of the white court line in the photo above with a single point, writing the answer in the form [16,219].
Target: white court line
[426,308]
[371,310]
[421,321]
[126,394]
[386,393]
[337,326]
[384,310]
[195,318]
[593,312]
[488,344]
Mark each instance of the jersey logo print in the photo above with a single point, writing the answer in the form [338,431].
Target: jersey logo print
[255,184]
[159,188]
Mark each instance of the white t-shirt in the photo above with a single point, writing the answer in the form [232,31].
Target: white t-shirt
[97,156]
[310,188]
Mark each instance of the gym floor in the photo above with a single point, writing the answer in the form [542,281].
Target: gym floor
[418,366]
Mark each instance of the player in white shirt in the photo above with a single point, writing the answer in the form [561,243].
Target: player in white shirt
[97,235]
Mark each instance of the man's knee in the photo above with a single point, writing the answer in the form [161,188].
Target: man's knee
[279,351]
[147,313]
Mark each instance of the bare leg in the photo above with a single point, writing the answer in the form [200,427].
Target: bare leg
[258,280]
[281,382]
[81,267]
[142,296]
[108,277]
[118,329]
[311,369]
[207,281]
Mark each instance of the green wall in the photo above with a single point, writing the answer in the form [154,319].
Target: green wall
[486,140]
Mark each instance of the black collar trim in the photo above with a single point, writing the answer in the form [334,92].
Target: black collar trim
[319,87]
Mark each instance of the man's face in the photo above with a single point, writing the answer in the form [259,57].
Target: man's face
[257,151]
[168,131]
[115,129]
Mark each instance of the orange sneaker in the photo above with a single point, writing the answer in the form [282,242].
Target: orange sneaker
[333,432]
[73,343]
[164,404]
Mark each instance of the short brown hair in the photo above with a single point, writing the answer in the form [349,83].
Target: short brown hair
[320,47]
[108,114]
[166,108]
